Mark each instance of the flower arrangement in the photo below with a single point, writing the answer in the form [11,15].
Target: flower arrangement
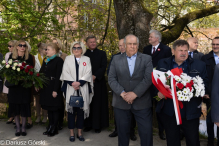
[17,72]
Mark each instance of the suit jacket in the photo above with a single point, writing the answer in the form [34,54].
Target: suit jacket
[197,55]
[110,63]
[210,65]
[120,80]
[164,52]
[215,96]
[192,108]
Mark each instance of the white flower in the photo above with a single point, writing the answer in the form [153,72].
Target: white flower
[186,98]
[13,68]
[184,83]
[10,62]
[197,94]
[177,78]
[7,66]
[202,93]
[185,91]
[179,93]
[20,64]
[3,61]
[192,90]
[196,86]
[15,64]
[18,69]
[190,95]
[181,98]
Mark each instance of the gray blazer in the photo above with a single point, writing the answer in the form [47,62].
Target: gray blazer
[119,79]
[197,55]
[215,95]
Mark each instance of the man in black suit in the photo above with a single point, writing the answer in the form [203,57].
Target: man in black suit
[157,51]
[191,110]
[133,122]
[211,59]
[193,46]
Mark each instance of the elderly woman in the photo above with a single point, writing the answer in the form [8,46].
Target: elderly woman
[77,80]
[18,96]
[11,45]
[38,63]
[51,98]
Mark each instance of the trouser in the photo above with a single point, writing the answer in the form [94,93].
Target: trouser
[79,121]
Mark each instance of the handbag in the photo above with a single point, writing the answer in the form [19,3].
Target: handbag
[76,101]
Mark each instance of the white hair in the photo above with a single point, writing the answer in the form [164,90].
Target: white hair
[82,46]
[157,34]
[129,36]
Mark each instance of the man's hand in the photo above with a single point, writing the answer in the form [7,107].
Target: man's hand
[54,94]
[160,95]
[130,97]
[217,123]
[76,85]
[123,94]
[206,96]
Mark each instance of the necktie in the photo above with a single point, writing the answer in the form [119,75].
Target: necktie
[153,50]
[190,54]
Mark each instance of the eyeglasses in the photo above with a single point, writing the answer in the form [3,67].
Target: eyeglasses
[20,45]
[45,49]
[215,44]
[76,48]
[10,46]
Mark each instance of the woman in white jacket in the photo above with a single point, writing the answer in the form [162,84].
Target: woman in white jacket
[38,63]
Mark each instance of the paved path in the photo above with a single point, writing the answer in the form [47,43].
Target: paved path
[91,139]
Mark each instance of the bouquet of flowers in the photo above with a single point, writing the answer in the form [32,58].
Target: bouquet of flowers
[15,71]
[178,86]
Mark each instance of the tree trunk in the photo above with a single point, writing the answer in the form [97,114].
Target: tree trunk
[133,18]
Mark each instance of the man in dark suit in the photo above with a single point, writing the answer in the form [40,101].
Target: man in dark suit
[133,122]
[193,46]
[157,51]
[130,79]
[191,110]
[211,59]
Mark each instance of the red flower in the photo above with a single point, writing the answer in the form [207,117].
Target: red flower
[28,67]
[31,67]
[23,64]
[180,85]
[26,70]
[21,67]
[38,74]
[191,82]
[189,85]
[31,73]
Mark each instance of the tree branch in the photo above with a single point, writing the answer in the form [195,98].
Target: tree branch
[190,32]
[180,23]
[44,11]
[107,25]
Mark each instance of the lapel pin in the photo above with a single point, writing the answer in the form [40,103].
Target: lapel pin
[158,49]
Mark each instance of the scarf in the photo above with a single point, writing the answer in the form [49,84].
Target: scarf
[40,59]
[85,73]
[47,59]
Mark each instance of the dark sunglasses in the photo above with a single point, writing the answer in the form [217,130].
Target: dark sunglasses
[20,45]
[10,46]
[76,48]
[45,49]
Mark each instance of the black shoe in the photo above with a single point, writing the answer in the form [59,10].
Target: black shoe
[81,138]
[17,133]
[60,127]
[53,131]
[23,133]
[47,130]
[162,136]
[114,134]
[28,126]
[97,130]
[72,138]
[87,129]
[9,122]
[210,143]
[133,137]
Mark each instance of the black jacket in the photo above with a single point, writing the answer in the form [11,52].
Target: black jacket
[197,55]
[162,51]
[192,108]
[52,70]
